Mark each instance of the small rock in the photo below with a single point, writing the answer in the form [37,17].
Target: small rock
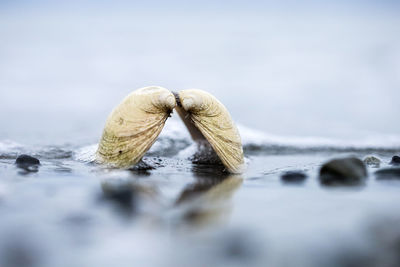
[388,174]
[293,177]
[372,161]
[395,160]
[27,163]
[345,171]
[143,168]
[26,159]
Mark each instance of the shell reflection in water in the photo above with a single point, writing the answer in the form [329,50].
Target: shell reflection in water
[212,122]
[133,126]
[204,204]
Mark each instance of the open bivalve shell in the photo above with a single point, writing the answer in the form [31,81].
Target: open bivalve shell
[212,122]
[134,125]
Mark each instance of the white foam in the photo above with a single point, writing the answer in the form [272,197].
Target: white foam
[86,153]
[188,152]
[8,146]
[175,129]
[255,137]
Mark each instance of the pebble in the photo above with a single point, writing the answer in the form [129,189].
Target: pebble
[343,171]
[27,163]
[293,177]
[26,160]
[372,161]
[395,160]
[388,174]
[144,168]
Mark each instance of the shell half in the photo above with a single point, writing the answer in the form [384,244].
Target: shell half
[212,122]
[134,125]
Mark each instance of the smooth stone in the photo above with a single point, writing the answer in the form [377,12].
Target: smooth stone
[395,160]
[343,171]
[388,174]
[26,160]
[293,177]
[27,163]
[372,161]
[142,168]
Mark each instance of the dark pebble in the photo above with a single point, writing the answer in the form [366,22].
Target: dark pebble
[27,163]
[27,160]
[293,177]
[388,174]
[395,160]
[344,171]
[144,168]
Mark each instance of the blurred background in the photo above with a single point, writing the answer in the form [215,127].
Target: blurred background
[290,68]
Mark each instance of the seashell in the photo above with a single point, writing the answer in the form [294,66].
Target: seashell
[134,125]
[213,123]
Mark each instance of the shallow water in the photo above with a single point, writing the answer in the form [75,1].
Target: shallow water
[71,212]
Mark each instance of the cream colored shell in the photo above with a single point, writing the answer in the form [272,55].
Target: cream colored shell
[213,120]
[133,126]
